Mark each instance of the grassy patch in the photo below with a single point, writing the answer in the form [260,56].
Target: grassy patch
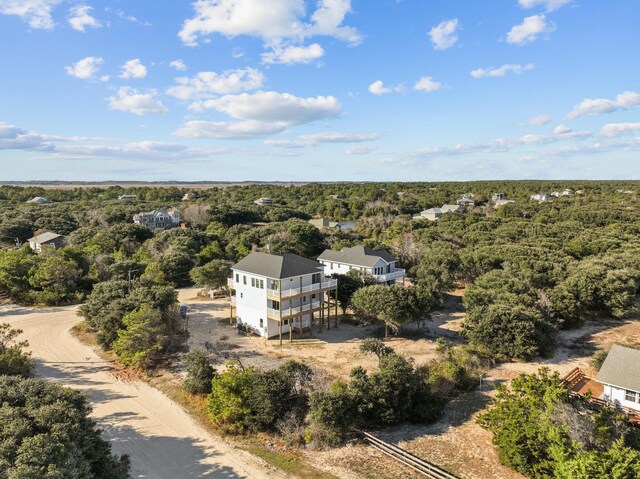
[288,462]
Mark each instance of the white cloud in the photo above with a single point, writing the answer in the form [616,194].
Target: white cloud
[223,130]
[86,68]
[427,84]
[443,35]
[562,130]
[529,30]
[37,13]
[314,139]
[336,137]
[273,107]
[501,71]
[548,5]
[137,102]
[378,88]
[80,18]
[598,106]
[272,21]
[292,54]
[359,150]
[133,69]
[178,65]
[619,129]
[539,120]
[237,52]
[15,138]
[207,84]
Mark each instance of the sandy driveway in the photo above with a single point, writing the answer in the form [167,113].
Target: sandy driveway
[162,440]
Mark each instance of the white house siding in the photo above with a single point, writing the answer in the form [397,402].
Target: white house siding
[618,397]
[252,302]
[380,267]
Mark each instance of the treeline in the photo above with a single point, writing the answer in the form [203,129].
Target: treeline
[45,429]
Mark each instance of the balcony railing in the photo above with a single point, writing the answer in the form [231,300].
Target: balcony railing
[383,278]
[287,293]
[288,312]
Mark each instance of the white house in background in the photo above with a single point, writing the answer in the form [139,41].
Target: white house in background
[498,196]
[127,197]
[264,201]
[277,294]
[158,218]
[499,203]
[39,200]
[377,263]
[327,224]
[568,192]
[539,197]
[620,376]
[433,214]
[466,200]
[46,240]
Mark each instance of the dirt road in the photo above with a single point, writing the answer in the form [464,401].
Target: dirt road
[162,440]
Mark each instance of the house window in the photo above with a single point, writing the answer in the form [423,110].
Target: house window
[261,281]
[331,265]
[285,322]
[261,323]
[244,279]
[304,299]
[275,305]
[631,396]
[241,295]
[237,278]
[253,282]
[273,284]
[315,279]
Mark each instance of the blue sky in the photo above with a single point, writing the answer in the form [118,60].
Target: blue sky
[319,90]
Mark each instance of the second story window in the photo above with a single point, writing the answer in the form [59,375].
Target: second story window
[315,279]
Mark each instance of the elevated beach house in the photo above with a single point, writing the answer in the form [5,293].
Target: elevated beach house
[276,294]
[377,263]
[46,240]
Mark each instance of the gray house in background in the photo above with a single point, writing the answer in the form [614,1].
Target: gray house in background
[327,224]
[158,218]
[39,200]
[46,240]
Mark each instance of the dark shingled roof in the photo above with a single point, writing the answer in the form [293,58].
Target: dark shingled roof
[277,266]
[358,255]
[44,237]
[621,368]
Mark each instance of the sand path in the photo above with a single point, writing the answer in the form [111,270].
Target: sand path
[163,441]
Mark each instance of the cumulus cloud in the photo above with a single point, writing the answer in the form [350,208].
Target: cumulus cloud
[80,18]
[314,139]
[599,106]
[501,71]
[137,102]
[562,130]
[86,69]
[539,120]
[16,138]
[427,84]
[273,107]
[133,69]
[548,5]
[292,54]
[529,30]
[178,65]
[37,13]
[378,88]
[274,21]
[336,137]
[208,84]
[225,130]
[359,150]
[444,35]
[619,129]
